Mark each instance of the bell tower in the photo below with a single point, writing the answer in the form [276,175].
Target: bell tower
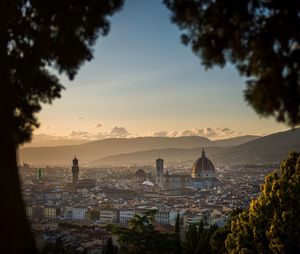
[160,172]
[75,170]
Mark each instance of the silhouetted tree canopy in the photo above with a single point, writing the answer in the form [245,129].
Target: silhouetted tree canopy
[38,37]
[141,236]
[261,38]
[109,247]
[177,239]
[272,224]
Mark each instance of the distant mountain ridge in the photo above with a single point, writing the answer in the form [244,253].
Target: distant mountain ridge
[170,155]
[270,149]
[91,151]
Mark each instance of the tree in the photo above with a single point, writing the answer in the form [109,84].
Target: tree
[272,224]
[37,38]
[57,247]
[141,236]
[177,235]
[93,214]
[197,240]
[261,38]
[217,239]
[191,239]
[204,236]
[109,247]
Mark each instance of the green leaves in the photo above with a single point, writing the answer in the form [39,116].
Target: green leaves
[272,224]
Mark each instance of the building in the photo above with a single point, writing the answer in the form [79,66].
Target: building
[86,184]
[78,213]
[75,171]
[109,216]
[159,172]
[191,218]
[67,213]
[79,184]
[170,181]
[166,217]
[126,215]
[203,175]
[29,211]
[176,181]
[140,175]
[51,212]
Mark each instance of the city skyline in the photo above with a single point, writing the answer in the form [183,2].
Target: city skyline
[145,82]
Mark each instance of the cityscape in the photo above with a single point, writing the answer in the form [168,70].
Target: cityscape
[103,196]
[150,127]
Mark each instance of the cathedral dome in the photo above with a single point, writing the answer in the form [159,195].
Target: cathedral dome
[203,167]
[140,173]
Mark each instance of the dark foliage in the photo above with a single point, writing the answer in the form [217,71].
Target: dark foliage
[38,37]
[177,238]
[197,239]
[141,236]
[261,38]
[109,247]
[37,40]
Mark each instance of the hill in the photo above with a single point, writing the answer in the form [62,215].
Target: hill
[264,150]
[91,151]
[170,155]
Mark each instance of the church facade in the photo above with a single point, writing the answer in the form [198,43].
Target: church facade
[203,175]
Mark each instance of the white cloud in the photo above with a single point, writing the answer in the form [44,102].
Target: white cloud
[80,135]
[160,134]
[119,132]
[116,132]
[208,132]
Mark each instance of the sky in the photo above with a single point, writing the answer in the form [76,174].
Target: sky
[144,82]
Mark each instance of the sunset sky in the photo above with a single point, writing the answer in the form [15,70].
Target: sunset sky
[143,81]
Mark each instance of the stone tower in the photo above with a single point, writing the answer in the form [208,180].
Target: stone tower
[75,170]
[159,172]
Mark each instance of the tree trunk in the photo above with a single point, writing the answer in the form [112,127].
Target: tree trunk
[15,231]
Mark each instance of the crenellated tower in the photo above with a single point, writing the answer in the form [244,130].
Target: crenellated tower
[75,170]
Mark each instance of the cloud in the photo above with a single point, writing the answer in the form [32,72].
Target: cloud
[80,135]
[173,134]
[208,132]
[119,132]
[160,134]
[116,132]
[44,137]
